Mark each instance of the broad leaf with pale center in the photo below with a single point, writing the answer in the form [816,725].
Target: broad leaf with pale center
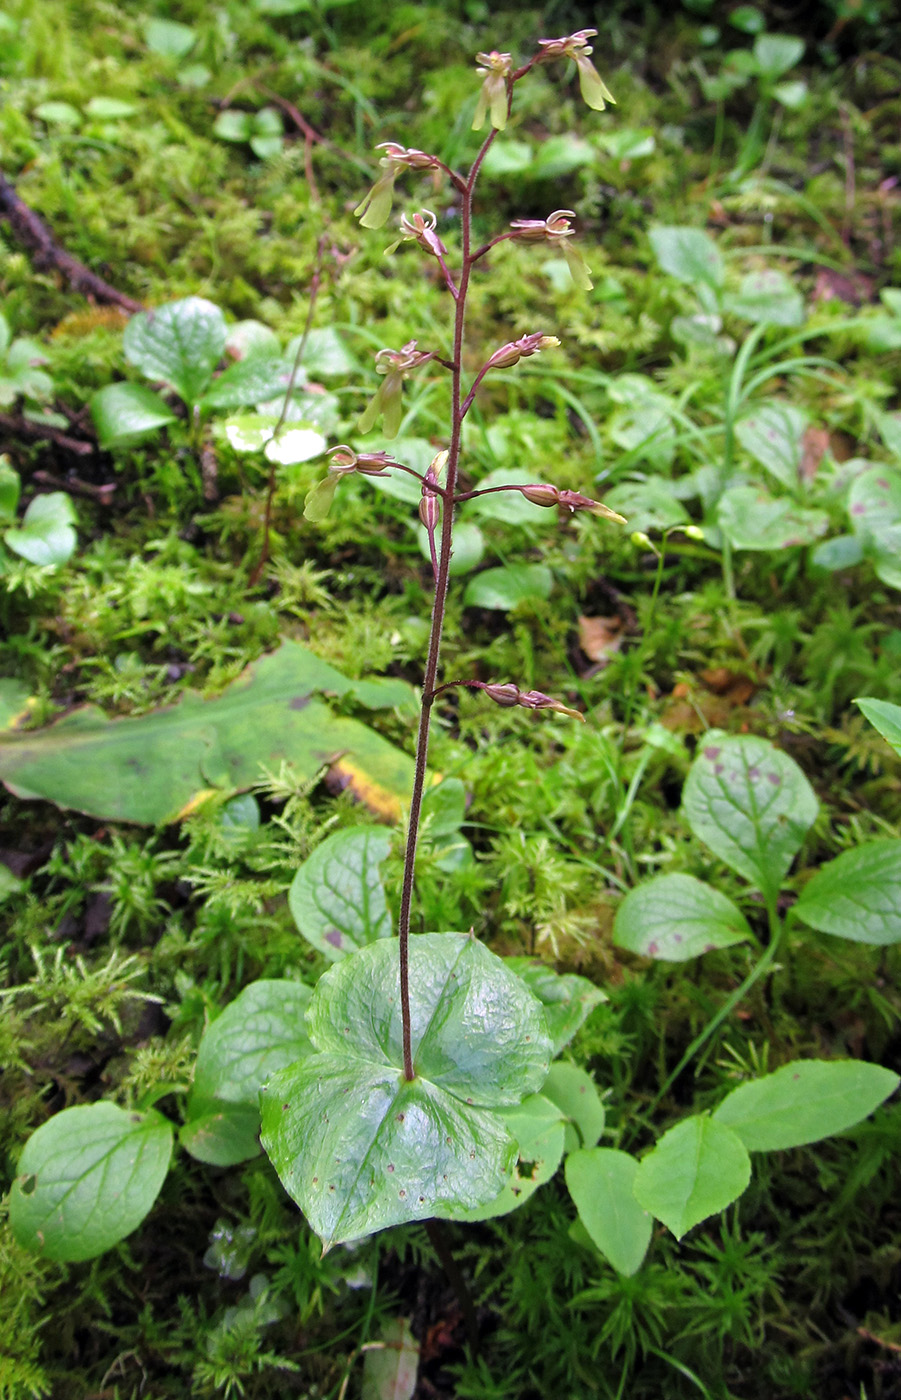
[337,898]
[358,1146]
[675,917]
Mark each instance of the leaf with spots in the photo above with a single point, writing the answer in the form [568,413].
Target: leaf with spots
[358,1146]
[752,519]
[874,506]
[568,999]
[676,917]
[336,898]
[391,1364]
[87,1178]
[539,1130]
[804,1102]
[751,804]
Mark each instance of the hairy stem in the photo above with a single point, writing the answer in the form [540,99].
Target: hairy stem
[438,606]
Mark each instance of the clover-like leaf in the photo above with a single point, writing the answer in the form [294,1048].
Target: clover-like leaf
[179,344]
[87,1178]
[357,1145]
[675,917]
[804,1102]
[337,898]
[751,804]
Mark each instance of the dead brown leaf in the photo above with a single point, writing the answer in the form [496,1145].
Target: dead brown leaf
[600,637]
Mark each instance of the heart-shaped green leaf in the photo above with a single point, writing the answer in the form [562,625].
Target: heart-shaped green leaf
[505,588]
[804,1102]
[773,435]
[601,1182]
[688,254]
[337,898]
[697,1169]
[752,519]
[751,804]
[357,1145]
[179,344]
[874,505]
[46,535]
[87,1178]
[125,413]
[857,895]
[768,298]
[226,1134]
[676,917]
[249,381]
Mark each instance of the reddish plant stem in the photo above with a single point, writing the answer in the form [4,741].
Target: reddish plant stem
[438,607]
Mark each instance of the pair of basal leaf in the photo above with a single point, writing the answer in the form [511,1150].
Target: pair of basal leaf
[752,806]
[700,1166]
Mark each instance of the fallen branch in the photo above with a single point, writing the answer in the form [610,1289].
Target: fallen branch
[19,426]
[74,487]
[30,230]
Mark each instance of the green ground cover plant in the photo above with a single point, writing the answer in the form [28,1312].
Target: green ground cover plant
[157,978]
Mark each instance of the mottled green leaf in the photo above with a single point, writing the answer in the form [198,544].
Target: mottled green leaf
[391,1365]
[179,344]
[357,1145]
[157,767]
[751,804]
[337,898]
[773,434]
[676,917]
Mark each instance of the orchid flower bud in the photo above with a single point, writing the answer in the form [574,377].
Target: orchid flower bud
[495,68]
[430,511]
[556,228]
[508,695]
[516,350]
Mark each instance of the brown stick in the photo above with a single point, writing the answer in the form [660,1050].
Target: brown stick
[29,228]
[23,427]
[74,487]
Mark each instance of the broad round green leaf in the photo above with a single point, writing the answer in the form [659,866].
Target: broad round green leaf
[676,917]
[336,898]
[168,37]
[649,506]
[125,413]
[885,717]
[361,1148]
[768,298]
[601,1182]
[261,1031]
[804,1102]
[390,1370]
[568,999]
[505,588]
[179,344]
[689,254]
[249,381]
[46,535]
[775,54]
[325,355]
[773,434]
[697,1169]
[752,519]
[575,1093]
[857,895]
[751,804]
[87,1178]
[477,1031]
[874,506]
